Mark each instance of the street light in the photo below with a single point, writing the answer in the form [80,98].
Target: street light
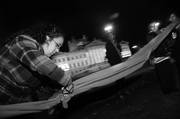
[108,28]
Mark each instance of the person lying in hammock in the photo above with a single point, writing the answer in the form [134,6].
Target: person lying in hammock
[26,71]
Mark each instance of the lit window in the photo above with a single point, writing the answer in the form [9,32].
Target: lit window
[82,63]
[80,56]
[70,66]
[74,65]
[76,57]
[78,64]
[68,59]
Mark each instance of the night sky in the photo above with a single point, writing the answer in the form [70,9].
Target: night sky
[87,17]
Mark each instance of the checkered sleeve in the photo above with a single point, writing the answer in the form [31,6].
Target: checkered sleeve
[30,53]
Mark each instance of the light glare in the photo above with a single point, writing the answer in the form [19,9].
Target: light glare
[108,28]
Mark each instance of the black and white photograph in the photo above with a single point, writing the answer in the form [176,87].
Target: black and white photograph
[89,59]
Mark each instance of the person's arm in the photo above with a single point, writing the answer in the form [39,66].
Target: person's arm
[31,55]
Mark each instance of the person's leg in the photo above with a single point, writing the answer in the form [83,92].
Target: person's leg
[167,74]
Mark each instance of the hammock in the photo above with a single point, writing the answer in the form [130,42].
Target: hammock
[97,79]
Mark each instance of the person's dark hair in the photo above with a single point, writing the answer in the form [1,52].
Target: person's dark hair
[39,31]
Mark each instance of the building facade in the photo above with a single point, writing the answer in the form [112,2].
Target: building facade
[79,61]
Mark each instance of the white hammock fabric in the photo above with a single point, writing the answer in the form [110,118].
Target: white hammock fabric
[97,79]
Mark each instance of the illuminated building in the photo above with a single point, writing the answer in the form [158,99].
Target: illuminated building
[78,61]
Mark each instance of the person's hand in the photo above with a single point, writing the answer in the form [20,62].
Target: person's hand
[68,89]
[68,86]
[66,79]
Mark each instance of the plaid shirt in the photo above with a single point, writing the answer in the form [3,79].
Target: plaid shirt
[20,60]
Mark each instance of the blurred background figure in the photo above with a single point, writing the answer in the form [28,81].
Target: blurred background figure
[172,17]
[78,43]
[153,30]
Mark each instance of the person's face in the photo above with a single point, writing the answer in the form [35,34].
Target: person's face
[51,46]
